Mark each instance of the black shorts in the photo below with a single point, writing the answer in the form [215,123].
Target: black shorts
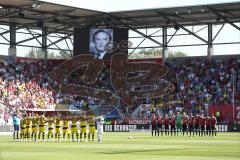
[154,127]
[190,128]
[196,126]
[166,127]
[202,128]
[208,128]
[213,128]
[16,127]
[184,127]
[159,126]
[173,127]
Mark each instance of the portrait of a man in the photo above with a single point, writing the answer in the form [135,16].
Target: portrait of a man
[100,39]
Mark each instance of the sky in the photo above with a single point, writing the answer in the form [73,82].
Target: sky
[121,5]
[228,34]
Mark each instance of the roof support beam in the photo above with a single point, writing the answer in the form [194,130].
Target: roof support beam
[165,43]
[143,41]
[33,36]
[224,18]
[174,34]
[218,32]
[135,30]
[8,31]
[68,46]
[181,26]
[210,40]
[192,33]
[4,38]
[58,47]
[59,40]
[29,39]
[136,47]
[44,43]
[12,51]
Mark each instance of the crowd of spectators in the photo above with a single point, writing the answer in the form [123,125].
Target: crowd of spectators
[190,85]
[199,84]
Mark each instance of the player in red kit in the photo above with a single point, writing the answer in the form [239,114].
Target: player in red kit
[197,125]
[185,123]
[208,126]
[202,122]
[173,124]
[159,125]
[154,124]
[166,124]
[213,125]
[190,125]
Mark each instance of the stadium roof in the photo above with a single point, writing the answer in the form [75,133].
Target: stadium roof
[60,18]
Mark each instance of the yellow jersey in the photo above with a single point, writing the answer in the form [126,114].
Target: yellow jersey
[50,122]
[74,121]
[58,121]
[23,123]
[42,121]
[83,122]
[34,121]
[28,121]
[65,124]
[91,121]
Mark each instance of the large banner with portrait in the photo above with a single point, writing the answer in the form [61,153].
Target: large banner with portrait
[101,43]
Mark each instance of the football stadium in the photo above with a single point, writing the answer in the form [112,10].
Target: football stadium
[119,79]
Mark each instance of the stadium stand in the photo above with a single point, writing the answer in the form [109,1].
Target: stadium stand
[192,85]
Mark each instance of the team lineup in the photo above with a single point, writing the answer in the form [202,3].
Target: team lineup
[58,128]
[198,125]
[82,128]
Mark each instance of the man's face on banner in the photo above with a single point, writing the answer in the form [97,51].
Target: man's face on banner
[101,41]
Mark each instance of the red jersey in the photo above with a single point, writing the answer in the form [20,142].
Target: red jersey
[196,120]
[185,121]
[166,121]
[191,120]
[160,121]
[154,122]
[173,121]
[213,121]
[202,121]
[208,121]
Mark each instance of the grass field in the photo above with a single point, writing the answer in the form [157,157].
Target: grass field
[117,146]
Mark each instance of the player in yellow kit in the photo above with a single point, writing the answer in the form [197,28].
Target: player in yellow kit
[41,124]
[83,128]
[50,122]
[58,127]
[34,127]
[65,127]
[91,123]
[28,126]
[74,129]
[23,129]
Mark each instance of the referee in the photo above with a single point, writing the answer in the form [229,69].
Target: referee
[16,123]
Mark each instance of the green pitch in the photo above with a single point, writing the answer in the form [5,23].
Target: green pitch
[118,146]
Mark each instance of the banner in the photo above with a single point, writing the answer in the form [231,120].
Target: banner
[138,121]
[146,128]
[119,128]
[226,112]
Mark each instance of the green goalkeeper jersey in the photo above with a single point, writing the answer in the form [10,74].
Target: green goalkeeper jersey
[179,119]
